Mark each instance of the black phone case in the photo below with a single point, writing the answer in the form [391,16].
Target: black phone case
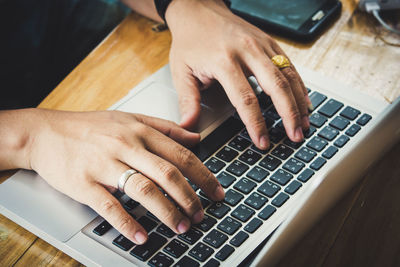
[306,33]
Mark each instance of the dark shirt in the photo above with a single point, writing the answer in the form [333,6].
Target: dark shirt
[43,40]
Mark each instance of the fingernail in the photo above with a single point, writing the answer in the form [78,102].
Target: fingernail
[219,192]
[140,237]
[183,226]
[298,134]
[198,216]
[264,142]
[306,122]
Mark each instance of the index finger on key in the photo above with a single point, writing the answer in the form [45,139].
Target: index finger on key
[246,103]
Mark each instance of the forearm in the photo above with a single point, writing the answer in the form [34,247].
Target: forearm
[144,7]
[16,131]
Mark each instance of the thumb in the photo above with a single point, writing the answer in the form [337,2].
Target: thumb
[187,87]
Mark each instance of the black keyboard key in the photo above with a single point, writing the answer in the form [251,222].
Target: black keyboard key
[305,154]
[229,225]
[350,113]
[145,251]
[165,230]
[218,210]
[317,99]
[280,126]
[281,177]
[267,212]
[175,248]
[329,152]
[353,130]
[330,108]
[186,261]
[214,165]
[270,163]
[102,228]
[147,224]
[239,143]
[253,225]
[317,120]
[293,187]
[215,238]
[258,174]
[161,260]
[224,253]
[239,238]
[292,144]
[364,119]
[341,140]
[308,133]
[232,197]
[269,189]
[282,151]
[245,185]
[275,135]
[204,202]
[194,187]
[212,263]
[318,163]
[256,201]
[131,204]
[305,175]
[237,168]
[317,143]
[280,199]
[191,236]
[253,147]
[250,157]
[272,114]
[123,243]
[264,100]
[242,213]
[206,224]
[293,165]
[201,252]
[227,154]
[225,179]
[217,138]
[328,133]
[339,123]
[151,215]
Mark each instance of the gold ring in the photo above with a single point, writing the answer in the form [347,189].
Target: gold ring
[280,61]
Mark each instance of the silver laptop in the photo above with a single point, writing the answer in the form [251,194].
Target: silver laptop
[272,197]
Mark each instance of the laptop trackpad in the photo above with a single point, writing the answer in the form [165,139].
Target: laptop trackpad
[26,195]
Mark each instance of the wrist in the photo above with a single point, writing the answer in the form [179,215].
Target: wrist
[17,133]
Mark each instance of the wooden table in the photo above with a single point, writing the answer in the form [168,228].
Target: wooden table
[363,229]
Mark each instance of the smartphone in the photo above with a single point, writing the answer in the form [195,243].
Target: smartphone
[301,20]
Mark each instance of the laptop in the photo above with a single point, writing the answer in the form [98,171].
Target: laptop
[272,197]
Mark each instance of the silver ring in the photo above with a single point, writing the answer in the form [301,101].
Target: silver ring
[124,178]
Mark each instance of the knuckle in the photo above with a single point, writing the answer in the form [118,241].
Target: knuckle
[294,114]
[249,42]
[124,224]
[186,157]
[169,172]
[170,215]
[290,74]
[248,98]
[282,83]
[209,181]
[145,187]
[190,202]
[107,205]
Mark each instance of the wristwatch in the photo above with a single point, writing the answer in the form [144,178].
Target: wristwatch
[161,6]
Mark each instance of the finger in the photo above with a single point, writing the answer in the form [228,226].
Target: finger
[187,87]
[275,84]
[187,163]
[170,129]
[111,210]
[245,101]
[143,190]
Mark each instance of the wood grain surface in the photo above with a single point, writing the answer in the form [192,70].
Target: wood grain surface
[363,229]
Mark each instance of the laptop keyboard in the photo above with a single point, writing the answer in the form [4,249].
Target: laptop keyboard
[256,182]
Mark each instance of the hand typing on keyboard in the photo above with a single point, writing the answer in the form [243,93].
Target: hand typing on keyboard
[83,155]
[210,43]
